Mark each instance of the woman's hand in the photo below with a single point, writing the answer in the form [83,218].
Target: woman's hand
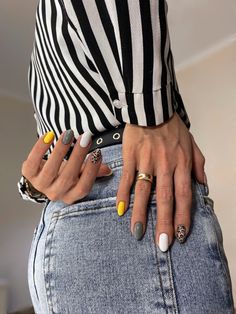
[167,151]
[66,180]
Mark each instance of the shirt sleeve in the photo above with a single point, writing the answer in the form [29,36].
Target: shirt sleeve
[129,44]
[24,194]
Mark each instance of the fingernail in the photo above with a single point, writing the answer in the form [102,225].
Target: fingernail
[181,233]
[138,230]
[110,173]
[96,155]
[48,137]
[163,242]
[67,137]
[121,208]
[85,139]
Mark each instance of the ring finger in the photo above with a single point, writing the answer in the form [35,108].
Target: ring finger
[86,179]
[141,197]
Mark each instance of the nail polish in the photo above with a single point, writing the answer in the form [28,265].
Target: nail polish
[121,208]
[138,230]
[67,137]
[85,139]
[181,233]
[109,174]
[163,242]
[48,137]
[96,156]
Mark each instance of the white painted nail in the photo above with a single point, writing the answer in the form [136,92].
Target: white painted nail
[85,139]
[163,242]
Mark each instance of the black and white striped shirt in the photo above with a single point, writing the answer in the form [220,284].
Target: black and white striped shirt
[98,63]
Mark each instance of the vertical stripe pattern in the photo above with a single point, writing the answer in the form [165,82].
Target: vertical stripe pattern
[89,54]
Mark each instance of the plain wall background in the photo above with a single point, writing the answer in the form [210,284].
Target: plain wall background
[206,87]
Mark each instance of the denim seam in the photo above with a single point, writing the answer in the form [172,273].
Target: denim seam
[221,259]
[171,282]
[157,260]
[169,268]
[74,207]
[202,201]
[79,212]
[40,228]
[212,217]
[47,259]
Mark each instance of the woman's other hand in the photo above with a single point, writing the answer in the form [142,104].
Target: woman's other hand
[59,179]
[167,151]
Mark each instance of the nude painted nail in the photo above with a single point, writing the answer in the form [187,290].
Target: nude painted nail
[163,242]
[85,139]
[67,137]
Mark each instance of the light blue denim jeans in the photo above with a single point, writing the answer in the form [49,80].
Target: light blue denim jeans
[84,258]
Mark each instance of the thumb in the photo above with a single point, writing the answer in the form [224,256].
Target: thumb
[104,171]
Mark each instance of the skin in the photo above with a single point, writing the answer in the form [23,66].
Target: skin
[66,180]
[167,151]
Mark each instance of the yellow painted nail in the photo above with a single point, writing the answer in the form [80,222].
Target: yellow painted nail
[48,137]
[121,208]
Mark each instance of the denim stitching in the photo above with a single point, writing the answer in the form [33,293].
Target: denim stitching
[212,217]
[156,256]
[47,259]
[171,282]
[40,227]
[221,258]
[202,201]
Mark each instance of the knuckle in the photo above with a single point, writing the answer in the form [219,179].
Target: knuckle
[66,181]
[68,200]
[186,160]
[183,190]
[127,177]
[181,215]
[53,195]
[26,169]
[82,192]
[165,221]
[142,186]
[165,194]
[39,186]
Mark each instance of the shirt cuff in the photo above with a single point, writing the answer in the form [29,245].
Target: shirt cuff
[24,194]
[150,108]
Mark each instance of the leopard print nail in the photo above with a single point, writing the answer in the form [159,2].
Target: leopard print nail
[96,155]
[181,233]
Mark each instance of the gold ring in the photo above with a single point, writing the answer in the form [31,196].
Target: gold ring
[144,176]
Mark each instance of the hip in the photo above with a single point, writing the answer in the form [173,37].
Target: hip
[87,251]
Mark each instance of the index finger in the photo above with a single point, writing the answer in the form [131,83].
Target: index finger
[31,166]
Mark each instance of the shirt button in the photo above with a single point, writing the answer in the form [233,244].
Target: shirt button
[117,103]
